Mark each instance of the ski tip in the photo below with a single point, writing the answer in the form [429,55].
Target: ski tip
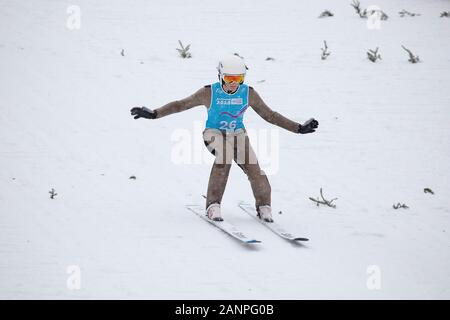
[252,241]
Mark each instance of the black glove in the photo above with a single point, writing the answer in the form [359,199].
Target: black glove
[308,126]
[143,113]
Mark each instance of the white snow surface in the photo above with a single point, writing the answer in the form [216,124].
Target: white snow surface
[384,136]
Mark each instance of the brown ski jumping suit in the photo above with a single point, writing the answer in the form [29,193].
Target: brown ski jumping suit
[232,146]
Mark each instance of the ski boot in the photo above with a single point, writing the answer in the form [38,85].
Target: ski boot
[265,213]
[213,212]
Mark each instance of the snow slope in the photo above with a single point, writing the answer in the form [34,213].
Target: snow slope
[383,137]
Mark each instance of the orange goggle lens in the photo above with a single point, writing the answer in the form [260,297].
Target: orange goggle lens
[233,78]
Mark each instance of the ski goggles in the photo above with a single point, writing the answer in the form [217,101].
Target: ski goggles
[229,78]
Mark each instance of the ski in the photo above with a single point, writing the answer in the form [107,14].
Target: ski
[273,226]
[226,227]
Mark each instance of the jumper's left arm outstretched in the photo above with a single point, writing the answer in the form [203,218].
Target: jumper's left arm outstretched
[261,108]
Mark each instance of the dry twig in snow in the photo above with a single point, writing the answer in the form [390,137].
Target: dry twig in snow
[412,57]
[323,201]
[325,52]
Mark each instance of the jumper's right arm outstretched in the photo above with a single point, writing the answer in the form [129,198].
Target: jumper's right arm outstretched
[201,97]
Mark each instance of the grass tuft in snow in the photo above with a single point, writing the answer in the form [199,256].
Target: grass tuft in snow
[53,193]
[184,51]
[325,14]
[373,55]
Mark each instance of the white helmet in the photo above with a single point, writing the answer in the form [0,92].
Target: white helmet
[231,65]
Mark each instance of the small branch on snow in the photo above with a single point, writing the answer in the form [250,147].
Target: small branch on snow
[405,13]
[428,190]
[270,59]
[383,16]
[123,52]
[53,193]
[326,13]
[355,4]
[325,52]
[184,51]
[323,201]
[412,57]
[369,11]
[373,55]
[398,205]
[445,14]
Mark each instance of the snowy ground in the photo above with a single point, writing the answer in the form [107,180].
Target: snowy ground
[384,136]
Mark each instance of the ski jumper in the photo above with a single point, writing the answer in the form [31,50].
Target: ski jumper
[226,138]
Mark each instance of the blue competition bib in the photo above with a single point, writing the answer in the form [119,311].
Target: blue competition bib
[226,111]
